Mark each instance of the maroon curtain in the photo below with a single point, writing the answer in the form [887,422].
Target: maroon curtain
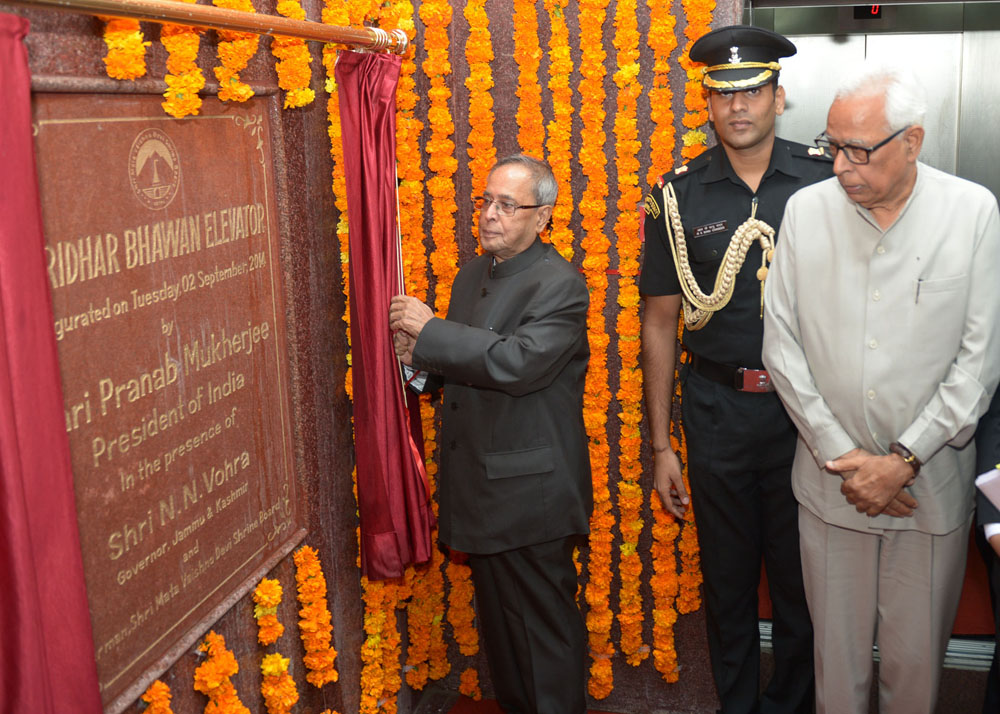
[392,490]
[47,656]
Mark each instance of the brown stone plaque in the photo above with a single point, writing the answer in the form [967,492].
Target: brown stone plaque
[163,258]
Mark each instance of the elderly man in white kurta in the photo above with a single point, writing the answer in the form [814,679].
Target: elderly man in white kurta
[882,311]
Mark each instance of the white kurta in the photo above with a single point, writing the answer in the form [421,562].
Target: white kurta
[876,336]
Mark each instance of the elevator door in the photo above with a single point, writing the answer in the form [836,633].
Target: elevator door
[963,98]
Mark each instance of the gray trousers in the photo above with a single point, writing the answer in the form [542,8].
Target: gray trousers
[897,588]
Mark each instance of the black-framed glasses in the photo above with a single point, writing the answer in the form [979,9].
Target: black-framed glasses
[507,208]
[855,154]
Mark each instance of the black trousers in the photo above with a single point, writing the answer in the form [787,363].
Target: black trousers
[534,635]
[740,451]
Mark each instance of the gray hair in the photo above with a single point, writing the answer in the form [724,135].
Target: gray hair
[905,98]
[544,186]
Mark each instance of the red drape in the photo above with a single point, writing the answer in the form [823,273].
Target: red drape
[392,491]
[47,656]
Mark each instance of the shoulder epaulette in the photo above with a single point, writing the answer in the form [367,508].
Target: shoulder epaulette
[652,204]
[684,169]
[816,153]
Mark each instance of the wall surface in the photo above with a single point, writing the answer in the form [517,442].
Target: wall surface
[65,54]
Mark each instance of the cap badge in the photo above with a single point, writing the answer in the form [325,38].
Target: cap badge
[734,55]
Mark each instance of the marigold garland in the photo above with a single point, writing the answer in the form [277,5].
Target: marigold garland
[663,42]
[527,54]
[630,498]
[126,58]
[664,585]
[411,175]
[461,614]
[425,607]
[381,653]
[436,15]
[479,54]
[560,129]
[235,50]
[593,209]
[315,627]
[184,78]
[267,597]
[438,654]
[276,685]
[292,53]
[699,20]
[335,13]
[469,684]
[157,698]
[212,677]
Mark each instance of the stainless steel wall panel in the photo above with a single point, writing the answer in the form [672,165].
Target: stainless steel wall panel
[979,148]
[936,59]
[809,78]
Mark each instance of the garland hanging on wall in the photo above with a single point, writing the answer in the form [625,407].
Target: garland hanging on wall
[629,395]
[267,596]
[436,15]
[663,42]
[560,129]
[213,677]
[479,54]
[315,627]
[699,21]
[235,50]
[663,581]
[126,58]
[276,685]
[292,53]
[184,78]
[593,210]
[527,53]
[157,697]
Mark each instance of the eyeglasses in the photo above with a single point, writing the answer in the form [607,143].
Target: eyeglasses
[855,154]
[506,208]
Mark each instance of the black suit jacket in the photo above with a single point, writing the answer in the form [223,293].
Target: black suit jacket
[987,457]
[513,353]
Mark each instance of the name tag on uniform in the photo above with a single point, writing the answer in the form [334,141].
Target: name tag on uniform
[710,228]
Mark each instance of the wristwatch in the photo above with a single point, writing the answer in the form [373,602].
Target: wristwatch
[908,456]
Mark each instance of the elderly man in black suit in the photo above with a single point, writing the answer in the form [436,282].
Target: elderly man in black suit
[515,491]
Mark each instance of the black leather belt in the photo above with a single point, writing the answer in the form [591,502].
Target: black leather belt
[741,379]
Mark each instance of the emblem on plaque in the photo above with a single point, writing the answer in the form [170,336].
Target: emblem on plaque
[734,55]
[154,169]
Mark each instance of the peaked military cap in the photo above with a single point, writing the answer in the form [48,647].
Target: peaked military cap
[740,57]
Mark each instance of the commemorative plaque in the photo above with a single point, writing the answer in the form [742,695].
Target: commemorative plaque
[162,250]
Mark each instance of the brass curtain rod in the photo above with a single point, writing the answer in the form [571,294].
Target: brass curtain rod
[217,18]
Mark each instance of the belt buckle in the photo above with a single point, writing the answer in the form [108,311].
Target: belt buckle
[753,380]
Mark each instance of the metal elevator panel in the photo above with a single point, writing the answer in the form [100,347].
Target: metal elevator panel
[807,100]
[936,60]
[978,147]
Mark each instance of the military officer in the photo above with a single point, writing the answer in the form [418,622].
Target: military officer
[710,228]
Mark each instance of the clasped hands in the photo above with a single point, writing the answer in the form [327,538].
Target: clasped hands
[874,484]
[407,317]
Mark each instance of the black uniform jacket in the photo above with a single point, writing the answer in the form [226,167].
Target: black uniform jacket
[714,202]
[513,353]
